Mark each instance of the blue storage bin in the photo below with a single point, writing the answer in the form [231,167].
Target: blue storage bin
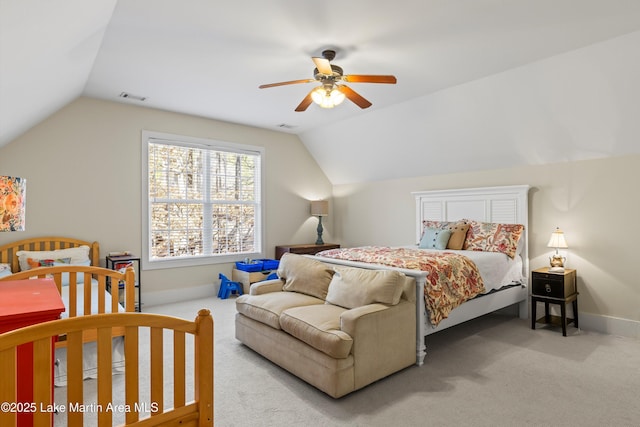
[270,264]
[252,266]
[258,265]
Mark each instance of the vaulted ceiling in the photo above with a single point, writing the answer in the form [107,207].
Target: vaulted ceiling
[505,81]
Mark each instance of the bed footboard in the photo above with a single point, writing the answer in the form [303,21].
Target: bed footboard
[471,309]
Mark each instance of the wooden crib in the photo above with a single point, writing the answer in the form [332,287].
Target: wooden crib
[198,412]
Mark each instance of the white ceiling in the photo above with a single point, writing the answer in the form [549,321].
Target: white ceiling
[208,58]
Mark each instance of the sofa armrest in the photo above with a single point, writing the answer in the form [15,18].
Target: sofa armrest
[384,339]
[349,319]
[266,286]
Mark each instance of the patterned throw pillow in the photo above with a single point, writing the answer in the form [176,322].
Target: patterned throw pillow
[35,263]
[427,223]
[493,237]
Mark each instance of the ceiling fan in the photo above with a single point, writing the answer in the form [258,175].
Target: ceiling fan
[332,91]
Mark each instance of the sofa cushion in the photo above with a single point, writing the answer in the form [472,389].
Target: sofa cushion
[266,308]
[304,275]
[319,327]
[355,287]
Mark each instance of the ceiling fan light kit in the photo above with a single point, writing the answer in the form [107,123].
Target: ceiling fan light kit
[327,97]
[330,93]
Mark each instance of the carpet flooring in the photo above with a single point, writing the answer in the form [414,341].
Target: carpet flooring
[492,371]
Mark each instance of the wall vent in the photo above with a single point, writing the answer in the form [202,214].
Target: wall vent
[131,96]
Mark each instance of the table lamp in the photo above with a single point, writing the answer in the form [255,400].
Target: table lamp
[557,241]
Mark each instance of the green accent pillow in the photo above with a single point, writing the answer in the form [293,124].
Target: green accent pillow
[434,238]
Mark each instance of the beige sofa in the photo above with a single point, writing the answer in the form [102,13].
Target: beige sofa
[337,328]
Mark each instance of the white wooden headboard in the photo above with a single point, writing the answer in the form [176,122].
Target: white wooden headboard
[508,204]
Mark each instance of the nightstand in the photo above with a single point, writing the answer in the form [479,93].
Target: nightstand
[309,249]
[120,262]
[554,288]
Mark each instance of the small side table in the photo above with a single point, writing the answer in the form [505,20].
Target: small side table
[121,261]
[554,288]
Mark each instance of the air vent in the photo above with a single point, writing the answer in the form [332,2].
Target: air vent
[131,96]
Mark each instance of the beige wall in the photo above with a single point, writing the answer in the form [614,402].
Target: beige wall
[595,202]
[83,171]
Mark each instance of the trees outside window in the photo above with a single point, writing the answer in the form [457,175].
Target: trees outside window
[204,200]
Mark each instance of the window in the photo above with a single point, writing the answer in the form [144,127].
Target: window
[203,201]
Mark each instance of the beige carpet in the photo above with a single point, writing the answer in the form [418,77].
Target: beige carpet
[493,371]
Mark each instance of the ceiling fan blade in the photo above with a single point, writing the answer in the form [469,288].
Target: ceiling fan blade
[364,78]
[291,82]
[323,66]
[305,102]
[354,96]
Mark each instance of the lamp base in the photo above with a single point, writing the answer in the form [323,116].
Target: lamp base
[556,270]
[319,230]
[557,261]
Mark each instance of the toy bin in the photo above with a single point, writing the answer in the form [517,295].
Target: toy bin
[270,264]
[251,266]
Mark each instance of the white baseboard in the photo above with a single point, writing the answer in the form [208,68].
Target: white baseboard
[609,325]
[176,295]
[590,322]
[597,322]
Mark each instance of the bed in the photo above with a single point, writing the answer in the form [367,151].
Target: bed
[189,408]
[83,285]
[489,206]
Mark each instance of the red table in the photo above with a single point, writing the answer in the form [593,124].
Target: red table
[24,303]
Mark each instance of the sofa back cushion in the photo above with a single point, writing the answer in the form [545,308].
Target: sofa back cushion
[355,287]
[304,275]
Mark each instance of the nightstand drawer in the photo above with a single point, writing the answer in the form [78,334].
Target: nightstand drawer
[553,285]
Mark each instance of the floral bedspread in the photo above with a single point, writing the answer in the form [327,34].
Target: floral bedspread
[452,279]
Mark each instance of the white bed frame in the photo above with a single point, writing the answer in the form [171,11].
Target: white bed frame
[508,204]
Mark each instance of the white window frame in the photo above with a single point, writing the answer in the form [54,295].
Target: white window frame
[187,261]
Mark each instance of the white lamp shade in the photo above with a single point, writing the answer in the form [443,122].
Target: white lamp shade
[320,208]
[557,240]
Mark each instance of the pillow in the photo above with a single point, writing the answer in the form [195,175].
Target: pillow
[35,263]
[304,275]
[458,231]
[355,287]
[434,238]
[493,237]
[427,223]
[65,276]
[458,235]
[5,270]
[77,255]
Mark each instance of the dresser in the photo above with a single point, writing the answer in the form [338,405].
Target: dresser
[24,303]
[305,249]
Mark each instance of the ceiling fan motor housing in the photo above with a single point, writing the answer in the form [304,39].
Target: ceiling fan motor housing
[337,72]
